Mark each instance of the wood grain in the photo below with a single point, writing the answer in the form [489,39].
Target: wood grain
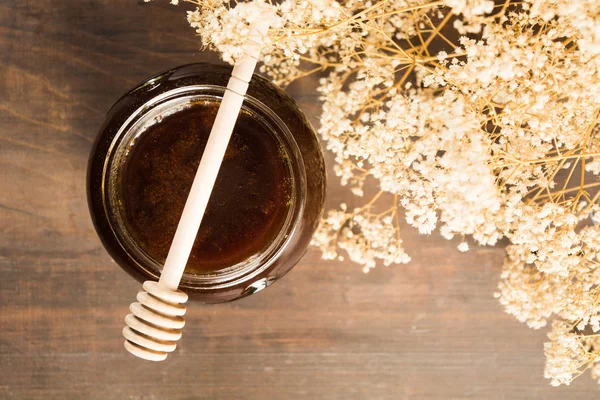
[428,330]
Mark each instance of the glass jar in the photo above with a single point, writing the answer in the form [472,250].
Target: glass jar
[165,94]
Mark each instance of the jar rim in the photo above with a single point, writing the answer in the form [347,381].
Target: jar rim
[172,101]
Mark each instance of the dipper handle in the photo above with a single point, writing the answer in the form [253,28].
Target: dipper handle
[157,318]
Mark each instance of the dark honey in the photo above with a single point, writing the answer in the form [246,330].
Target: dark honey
[249,203]
[270,191]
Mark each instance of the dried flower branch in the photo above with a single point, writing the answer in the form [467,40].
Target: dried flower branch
[480,118]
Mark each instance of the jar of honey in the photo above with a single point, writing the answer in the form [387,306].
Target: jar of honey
[264,208]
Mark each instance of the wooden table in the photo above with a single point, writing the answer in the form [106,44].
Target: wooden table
[428,330]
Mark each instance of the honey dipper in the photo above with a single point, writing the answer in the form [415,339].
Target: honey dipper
[156,321]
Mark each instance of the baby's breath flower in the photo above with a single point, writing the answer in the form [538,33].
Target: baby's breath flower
[569,354]
[463,246]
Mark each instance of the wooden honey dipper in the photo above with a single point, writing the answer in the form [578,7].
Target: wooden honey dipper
[156,321]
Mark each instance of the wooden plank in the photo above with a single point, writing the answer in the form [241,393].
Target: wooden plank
[428,330]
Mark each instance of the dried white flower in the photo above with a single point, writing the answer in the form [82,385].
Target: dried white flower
[569,354]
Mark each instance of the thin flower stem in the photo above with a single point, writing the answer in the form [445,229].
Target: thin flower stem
[577,189]
[546,160]
[412,8]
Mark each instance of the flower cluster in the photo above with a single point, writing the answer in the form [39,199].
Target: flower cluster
[570,354]
[365,236]
[479,118]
